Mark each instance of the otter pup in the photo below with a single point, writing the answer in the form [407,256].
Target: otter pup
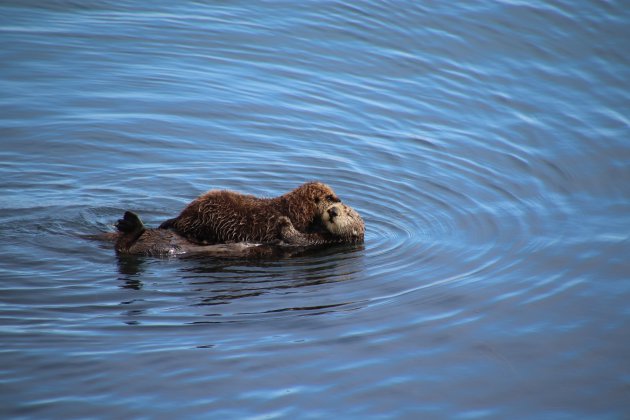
[226,216]
[342,224]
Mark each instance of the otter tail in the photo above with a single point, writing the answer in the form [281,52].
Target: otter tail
[130,223]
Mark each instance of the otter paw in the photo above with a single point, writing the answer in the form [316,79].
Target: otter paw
[285,227]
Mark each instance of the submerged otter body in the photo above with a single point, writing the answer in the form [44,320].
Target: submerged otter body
[227,216]
[134,239]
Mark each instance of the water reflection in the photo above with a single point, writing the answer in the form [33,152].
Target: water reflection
[223,281]
[130,268]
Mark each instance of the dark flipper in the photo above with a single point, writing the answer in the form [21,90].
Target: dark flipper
[130,228]
[130,223]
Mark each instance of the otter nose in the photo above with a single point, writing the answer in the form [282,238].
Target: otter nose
[333,212]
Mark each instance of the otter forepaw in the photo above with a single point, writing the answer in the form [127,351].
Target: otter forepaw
[285,228]
[284,221]
[285,225]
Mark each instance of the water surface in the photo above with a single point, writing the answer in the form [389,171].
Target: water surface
[486,145]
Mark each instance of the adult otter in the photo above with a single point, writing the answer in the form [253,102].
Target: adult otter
[342,225]
[226,216]
[133,238]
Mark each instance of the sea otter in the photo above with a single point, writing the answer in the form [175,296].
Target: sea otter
[342,224]
[226,216]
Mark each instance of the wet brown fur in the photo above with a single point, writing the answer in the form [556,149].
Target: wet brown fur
[227,216]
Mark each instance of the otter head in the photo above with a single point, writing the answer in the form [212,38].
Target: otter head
[344,221]
[320,194]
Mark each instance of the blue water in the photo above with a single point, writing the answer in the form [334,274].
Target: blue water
[486,145]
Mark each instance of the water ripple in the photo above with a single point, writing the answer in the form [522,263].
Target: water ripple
[485,146]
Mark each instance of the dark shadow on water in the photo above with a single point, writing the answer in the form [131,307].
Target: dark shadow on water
[229,290]
[221,282]
[239,277]
[130,268]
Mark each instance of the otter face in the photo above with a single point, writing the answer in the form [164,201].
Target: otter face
[344,221]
